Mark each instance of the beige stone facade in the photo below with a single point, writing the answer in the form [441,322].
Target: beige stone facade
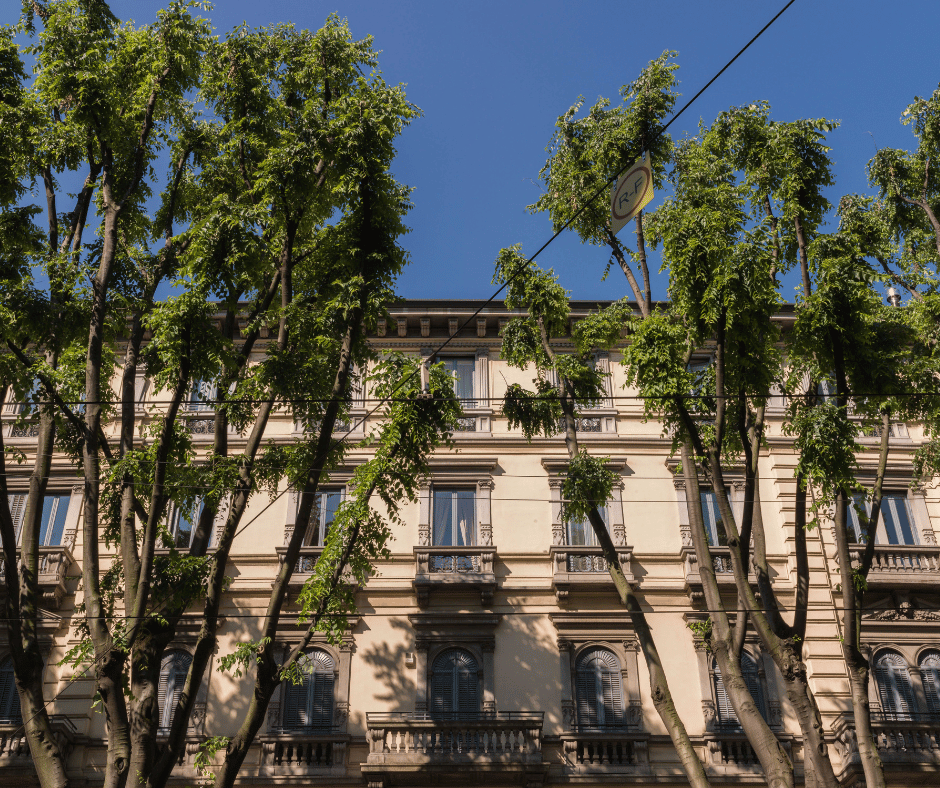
[491,648]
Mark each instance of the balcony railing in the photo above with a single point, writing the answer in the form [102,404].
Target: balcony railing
[415,738]
[584,567]
[455,569]
[297,752]
[906,737]
[54,564]
[14,747]
[902,564]
[614,749]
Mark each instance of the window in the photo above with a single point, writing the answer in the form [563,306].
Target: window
[895,516]
[183,524]
[725,711]
[9,697]
[202,395]
[714,525]
[454,517]
[930,677]
[309,705]
[462,370]
[455,684]
[173,670]
[52,525]
[894,686]
[324,509]
[599,690]
[581,533]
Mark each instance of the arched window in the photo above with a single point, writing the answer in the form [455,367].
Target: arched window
[725,711]
[930,676]
[309,705]
[9,697]
[173,670]
[599,689]
[894,686]
[455,684]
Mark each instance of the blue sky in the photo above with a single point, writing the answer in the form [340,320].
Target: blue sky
[492,77]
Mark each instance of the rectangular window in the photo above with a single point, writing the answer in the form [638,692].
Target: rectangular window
[895,516]
[202,395]
[581,533]
[462,370]
[454,517]
[52,525]
[182,525]
[325,504]
[714,525]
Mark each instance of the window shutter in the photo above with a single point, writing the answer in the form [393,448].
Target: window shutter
[613,699]
[587,699]
[170,688]
[17,510]
[930,675]
[894,686]
[440,701]
[883,681]
[9,697]
[752,679]
[321,715]
[468,696]
[723,707]
[295,702]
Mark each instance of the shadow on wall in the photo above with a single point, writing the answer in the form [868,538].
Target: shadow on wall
[394,682]
[527,667]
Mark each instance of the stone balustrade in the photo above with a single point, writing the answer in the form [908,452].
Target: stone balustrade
[616,749]
[289,752]
[54,564]
[451,569]
[14,747]
[903,565]
[414,738]
[583,567]
[914,738]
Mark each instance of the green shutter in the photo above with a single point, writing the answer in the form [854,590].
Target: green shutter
[9,697]
[930,676]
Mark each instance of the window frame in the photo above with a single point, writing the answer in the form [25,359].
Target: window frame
[725,716]
[455,491]
[69,515]
[470,400]
[890,684]
[615,703]
[175,662]
[473,684]
[882,537]
[314,684]
[10,710]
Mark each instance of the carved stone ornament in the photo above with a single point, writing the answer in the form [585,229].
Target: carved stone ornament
[486,535]
[620,535]
[708,711]
[340,714]
[685,531]
[424,535]
[905,609]
[567,715]
[558,534]
[635,714]
[776,716]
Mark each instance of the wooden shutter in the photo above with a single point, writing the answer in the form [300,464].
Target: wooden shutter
[174,668]
[295,704]
[9,697]
[467,686]
[930,675]
[752,679]
[455,684]
[599,689]
[17,510]
[723,707]
[894,686]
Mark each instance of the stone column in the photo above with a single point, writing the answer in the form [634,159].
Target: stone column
[72,515]
[424,514]
[631,683]
[558,525]
[567,696]
[484,517]
[489,676]
[481,374]
[341,712]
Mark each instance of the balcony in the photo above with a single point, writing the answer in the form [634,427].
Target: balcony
[583,568]
[423,745]
[910,745]
[54,564]
[298,753]
[730,753]
[306,562]
[454,569]
[614,751]
[14,747]
[902,566]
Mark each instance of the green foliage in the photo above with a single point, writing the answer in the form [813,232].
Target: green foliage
[587,485]
[586,152]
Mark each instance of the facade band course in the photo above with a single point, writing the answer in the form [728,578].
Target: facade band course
[490,648]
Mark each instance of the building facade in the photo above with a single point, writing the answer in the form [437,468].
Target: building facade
[491,647]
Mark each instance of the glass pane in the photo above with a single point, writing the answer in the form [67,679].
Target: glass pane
[329,503]
[442,508]
[714,526]
[54,509]
[897,519]
[580,533]
[853,524]
[462,370]
[465,525]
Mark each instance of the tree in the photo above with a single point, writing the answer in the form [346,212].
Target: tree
[278,144]
[586,153]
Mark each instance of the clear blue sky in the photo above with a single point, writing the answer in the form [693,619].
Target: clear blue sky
[492,77]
